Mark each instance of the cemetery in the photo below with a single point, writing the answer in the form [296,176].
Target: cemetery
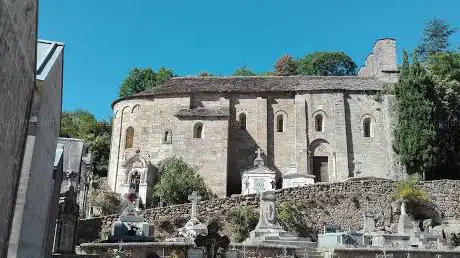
[380,227]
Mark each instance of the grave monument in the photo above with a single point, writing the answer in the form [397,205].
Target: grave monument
[259,178]
[268,230]
[130,227]
[193,227]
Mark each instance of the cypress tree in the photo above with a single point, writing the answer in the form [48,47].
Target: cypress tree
[415,131]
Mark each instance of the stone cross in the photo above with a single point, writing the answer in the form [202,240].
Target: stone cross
[194,198]
[259,161]
[258,152]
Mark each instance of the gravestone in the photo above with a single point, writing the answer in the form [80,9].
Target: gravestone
[268,230]
[193,227]
[369,224]
[214,243]
[258,178]
[130,227]
[195,253]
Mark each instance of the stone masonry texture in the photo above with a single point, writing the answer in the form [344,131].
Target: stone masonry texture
[18,26]
[342,203]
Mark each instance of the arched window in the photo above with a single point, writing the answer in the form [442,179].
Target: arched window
[319,123]
[167,137]
[129,137]
[198,130]
[280,123]
[367,127]
[242,119]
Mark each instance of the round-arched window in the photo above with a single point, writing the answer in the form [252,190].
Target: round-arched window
[198,130]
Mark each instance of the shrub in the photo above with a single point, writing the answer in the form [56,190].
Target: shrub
[243,220]
[408,190]
[290,218]
[105,200]
[177,181]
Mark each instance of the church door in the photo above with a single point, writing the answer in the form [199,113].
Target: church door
[320,165]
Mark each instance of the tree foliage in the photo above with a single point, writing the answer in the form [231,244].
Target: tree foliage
[445,71]
[243,71]
[326,64]
[177,181]
[286,66]
[81,124]
[435,38]
[291,218]
[408,190]
[141,79]
[416,131]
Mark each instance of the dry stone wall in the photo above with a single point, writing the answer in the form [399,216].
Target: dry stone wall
[341,203]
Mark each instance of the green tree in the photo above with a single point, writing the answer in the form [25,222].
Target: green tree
[163,75]
[177,181]
[415,131]
[144,79]
[286,66]
[445,70]
[435,38]
[98,142]
[77,124]
[243,71]
[326,64]
[81,124]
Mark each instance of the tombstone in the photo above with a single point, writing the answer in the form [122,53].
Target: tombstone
[292,178]
[193,227]
[130,227]
[259,178]
[405,222]
[268,230]
[214,243]
[195,253]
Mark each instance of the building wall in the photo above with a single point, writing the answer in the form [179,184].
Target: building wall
[150,118]
[17,74]
[225,144]
[29,234]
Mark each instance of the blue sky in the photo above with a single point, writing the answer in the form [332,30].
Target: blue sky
[105,39]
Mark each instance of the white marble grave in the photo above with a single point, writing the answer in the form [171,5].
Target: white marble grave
[258,178]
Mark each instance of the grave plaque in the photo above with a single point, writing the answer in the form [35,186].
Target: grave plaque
[195,253]
[231,254]
[259,185]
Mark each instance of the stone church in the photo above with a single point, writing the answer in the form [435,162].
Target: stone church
[330,128]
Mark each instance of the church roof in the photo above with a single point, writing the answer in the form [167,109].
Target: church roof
[254,84]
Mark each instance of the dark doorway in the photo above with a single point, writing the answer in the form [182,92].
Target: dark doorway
[320,165]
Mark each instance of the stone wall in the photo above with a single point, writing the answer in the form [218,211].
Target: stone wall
[18,28]
[341,203]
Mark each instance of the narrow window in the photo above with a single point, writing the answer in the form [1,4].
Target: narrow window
[198,130]
[280,123]
[242,119]
[367,127]
[319,123]
[129,137]
[165,139]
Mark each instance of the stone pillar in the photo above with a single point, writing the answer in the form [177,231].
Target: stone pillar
[301,145]
[341,141]
[261,136]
